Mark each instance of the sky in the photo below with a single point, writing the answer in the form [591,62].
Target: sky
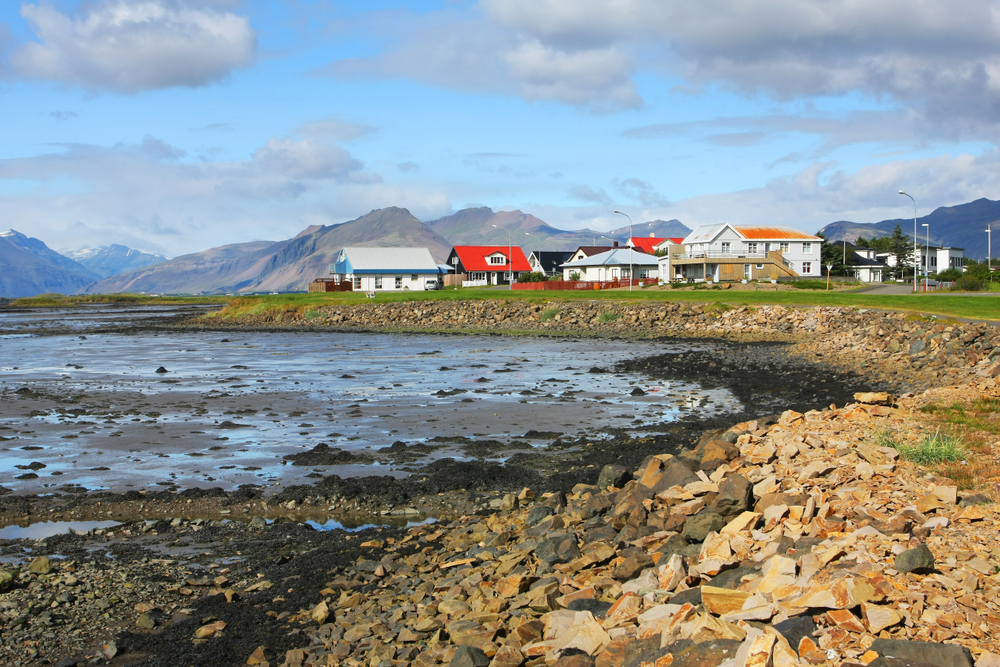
[173,126]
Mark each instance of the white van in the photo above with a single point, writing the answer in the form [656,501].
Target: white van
[432,284]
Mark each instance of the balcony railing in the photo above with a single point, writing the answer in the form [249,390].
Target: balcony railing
[718,254]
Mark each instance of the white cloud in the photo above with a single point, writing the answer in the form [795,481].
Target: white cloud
[453,49]
[133,45]
[939,60]
[154,192]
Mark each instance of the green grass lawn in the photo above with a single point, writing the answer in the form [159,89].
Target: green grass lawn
[940,304]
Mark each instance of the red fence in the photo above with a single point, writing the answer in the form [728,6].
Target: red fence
[562,285]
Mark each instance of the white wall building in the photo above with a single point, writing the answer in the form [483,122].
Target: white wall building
[387,269]
[799,251]
[613,265]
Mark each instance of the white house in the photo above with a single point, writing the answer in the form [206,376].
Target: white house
[940,257]
[735,252]
[865,265]
[613,265]
[387,269]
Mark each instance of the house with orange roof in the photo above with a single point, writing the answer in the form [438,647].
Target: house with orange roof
[488,264]
[727,252]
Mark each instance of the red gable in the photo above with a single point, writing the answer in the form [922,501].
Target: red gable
[476,258]
[646,243]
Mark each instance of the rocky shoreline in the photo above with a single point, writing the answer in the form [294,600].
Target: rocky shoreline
[617,566]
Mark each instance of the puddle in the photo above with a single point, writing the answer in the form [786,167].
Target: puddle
[333,524]
[38,531]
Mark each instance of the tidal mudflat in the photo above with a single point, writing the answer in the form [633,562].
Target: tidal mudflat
[179,410]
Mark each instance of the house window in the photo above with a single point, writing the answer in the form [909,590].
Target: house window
[378,282]
[760,267]
[399,282]
[357,282]
[783,247]
[807,248]
[807,267]
[726,247]
[751,247]
[746,270]
[498,259]
[414,277]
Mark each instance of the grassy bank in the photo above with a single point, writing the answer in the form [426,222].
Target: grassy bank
[65,301]
[942,305]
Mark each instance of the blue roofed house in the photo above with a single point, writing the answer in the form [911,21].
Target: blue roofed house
[613,264]
[387,269]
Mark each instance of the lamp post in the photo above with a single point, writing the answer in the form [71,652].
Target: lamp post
[630,250]
[539,250]
[927,253]
[989,250]
[510,255]
[914,238]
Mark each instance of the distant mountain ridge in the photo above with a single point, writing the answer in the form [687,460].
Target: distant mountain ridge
[275,267]
[29,267]
[961,226]
[110,260]
[474,226]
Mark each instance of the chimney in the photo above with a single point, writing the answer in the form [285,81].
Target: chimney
[652,235]
[616,244]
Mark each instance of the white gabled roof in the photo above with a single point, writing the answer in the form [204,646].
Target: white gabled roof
[408,260]
[703,234]
[616,257]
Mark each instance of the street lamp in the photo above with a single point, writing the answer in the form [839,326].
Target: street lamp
[630,250]
[539,250]
[914,238]
[510,254]
[927,253]
[989,250]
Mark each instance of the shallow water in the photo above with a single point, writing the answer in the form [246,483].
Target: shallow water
[92,410]
[43,529]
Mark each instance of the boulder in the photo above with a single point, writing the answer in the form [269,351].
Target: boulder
[922,653]
[919,560]
[734,497]
[7,579]
[697,527]
[613,475]
[469,656]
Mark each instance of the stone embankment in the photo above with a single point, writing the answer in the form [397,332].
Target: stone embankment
[799,542]
[895,346]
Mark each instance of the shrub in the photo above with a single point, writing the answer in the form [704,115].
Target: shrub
[549,314]
[968,284]
[608,317]
[575,275]
[313,314]
[533,277]
[936,448]
[810,284]
[948,275]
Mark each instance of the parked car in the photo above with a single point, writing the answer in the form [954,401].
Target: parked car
[432,284]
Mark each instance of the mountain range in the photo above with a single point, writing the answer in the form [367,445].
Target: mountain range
[110,260]
[29,267]
[962,226]
[264,266]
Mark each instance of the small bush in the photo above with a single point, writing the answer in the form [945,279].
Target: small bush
[968,284]
[313,314]
[936,448]
[608,317]
[948,275]
[533,277]
[575,275]
[810,284]
[549,314]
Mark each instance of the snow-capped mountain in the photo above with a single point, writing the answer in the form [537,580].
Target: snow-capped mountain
[110,260]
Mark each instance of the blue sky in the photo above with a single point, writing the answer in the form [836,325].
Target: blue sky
[177,125]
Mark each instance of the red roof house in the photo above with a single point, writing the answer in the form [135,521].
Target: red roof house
[646,244]
[488,264]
